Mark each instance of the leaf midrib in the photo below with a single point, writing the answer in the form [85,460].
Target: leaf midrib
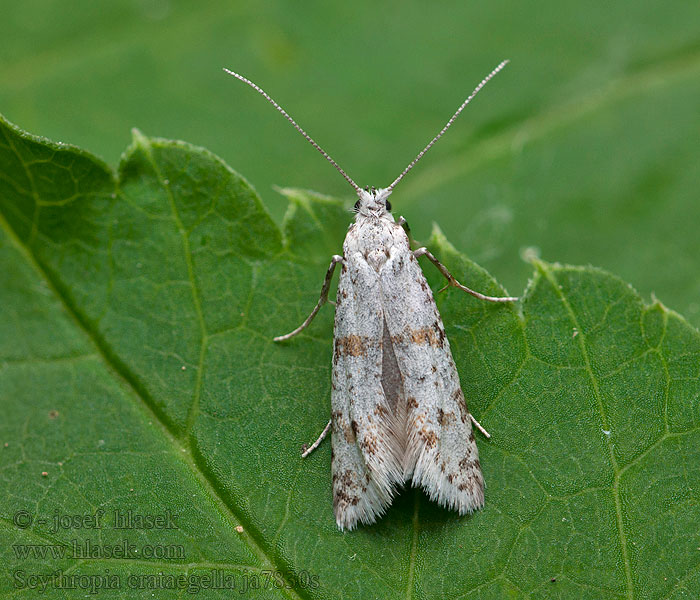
[551,279]
[196,294]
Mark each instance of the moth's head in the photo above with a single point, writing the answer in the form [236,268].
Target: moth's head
[373,202]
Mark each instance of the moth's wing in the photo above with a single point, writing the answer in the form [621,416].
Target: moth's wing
[441,456]
[365,464]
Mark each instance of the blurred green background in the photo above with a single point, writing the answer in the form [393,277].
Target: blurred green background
[584,150]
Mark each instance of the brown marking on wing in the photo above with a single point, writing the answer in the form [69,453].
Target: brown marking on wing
[381,411]
[440,332]
[458,398]
[445,418]
[429,437]
[351,345]
[343,490]
[427,335]
[468,462]
[370,444]
[347,479]
[397,340]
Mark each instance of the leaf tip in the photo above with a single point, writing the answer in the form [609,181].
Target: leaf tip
[439,239]
[138,138]
[657,304]
[293,195]
[530,254]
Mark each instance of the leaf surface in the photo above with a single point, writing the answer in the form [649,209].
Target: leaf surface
[137,373]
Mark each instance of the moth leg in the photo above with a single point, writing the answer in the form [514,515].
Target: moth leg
[479,426]
[452,281]
[403,223]
[308,450]
[321,301]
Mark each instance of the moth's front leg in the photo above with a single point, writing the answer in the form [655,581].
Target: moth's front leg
[452,281]
[403,223]
[321,301]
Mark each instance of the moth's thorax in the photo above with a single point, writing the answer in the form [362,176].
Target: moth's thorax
[375,240]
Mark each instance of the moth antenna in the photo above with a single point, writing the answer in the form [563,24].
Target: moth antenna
[299,129]
[477,89]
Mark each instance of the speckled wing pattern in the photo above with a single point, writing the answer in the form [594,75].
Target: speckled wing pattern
[365,465]
[441,454]
[398,412]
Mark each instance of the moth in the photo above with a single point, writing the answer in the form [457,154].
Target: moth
[398,412]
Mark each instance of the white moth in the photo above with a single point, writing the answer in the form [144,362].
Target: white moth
[398,412]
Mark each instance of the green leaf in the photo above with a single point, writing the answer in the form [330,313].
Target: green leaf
[137,373]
